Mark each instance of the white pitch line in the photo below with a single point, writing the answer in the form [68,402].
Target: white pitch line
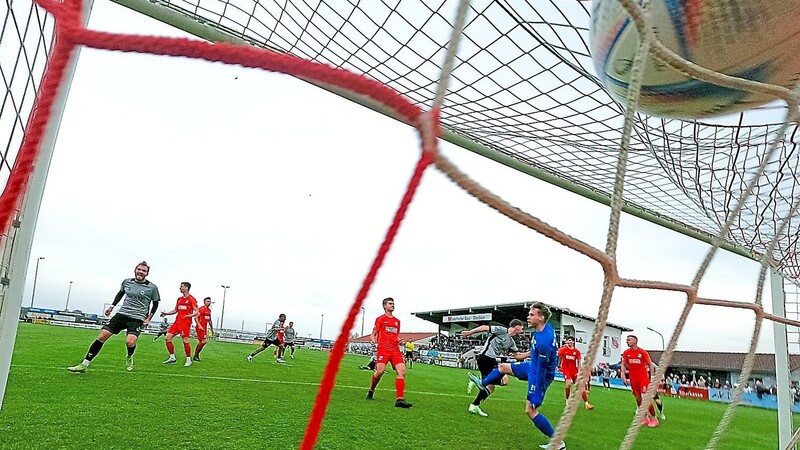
[253,380]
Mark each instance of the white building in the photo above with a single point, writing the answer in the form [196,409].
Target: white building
[565,321]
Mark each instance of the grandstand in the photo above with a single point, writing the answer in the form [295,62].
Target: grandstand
[565,321]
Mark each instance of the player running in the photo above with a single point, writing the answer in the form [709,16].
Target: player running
[203,327]
[140,303]
[289,336]
[499,344]
[162,329]
[538,372]
[387,335]
[635,364]
[271,339]
[570,358]
[185,310]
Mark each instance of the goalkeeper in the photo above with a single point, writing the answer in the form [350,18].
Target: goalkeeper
[202,323]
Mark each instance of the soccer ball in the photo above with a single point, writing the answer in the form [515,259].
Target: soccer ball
[753,39]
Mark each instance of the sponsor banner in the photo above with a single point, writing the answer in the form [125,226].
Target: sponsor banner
[448,363]
[676,390]
[39,316]
[467,318]
[768,401]
[42,311]
[63,318]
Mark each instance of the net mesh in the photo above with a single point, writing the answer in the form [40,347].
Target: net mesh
[26,36]
[493,105]
[523,85]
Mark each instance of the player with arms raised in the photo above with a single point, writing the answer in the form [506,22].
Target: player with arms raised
[570,358]
[635,364]
[387,335]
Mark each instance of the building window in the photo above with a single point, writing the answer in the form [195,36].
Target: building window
[606,345]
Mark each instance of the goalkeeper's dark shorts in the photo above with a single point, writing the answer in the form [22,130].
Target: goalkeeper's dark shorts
[122,322]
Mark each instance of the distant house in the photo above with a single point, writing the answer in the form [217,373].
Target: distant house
[726,366]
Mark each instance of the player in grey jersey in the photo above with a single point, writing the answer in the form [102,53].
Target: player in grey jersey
[499,344]
[289,335]
[271,339]
[141,302]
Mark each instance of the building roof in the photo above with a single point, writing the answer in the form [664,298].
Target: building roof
[503,313]
[413,337]
[722,361]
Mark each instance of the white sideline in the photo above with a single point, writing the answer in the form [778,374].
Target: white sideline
[121,370]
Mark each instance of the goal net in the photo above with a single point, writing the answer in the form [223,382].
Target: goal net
[513,82]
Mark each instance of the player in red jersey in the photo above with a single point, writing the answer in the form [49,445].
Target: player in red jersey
[278,352]
[387,335]
[202,326]
[635,364]
[570,358]
[185,310]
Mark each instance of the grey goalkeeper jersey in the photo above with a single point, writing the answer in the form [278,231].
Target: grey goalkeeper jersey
[499,343]
[289,335]
[272,334]
[138,298]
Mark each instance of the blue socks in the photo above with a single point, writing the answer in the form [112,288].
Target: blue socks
[543,425]
[493,378]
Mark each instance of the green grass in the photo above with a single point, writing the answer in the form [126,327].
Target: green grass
[224,402]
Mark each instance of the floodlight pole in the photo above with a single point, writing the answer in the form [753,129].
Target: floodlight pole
[222,314]
[659,335]
[66,306]
[35,277]
[363,311]
[321,320]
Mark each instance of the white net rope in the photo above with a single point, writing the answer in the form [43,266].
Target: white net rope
[523,85]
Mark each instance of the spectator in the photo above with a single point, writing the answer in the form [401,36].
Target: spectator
[716,384]
[760,389]
[606,376]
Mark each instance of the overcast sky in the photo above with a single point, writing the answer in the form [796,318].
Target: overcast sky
[217,174]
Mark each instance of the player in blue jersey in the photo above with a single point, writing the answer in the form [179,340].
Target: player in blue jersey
[538,372]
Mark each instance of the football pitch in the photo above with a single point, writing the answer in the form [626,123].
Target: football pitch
[226,402]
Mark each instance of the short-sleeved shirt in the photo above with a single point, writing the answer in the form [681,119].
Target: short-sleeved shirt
[499,343]
[289,335]
[203,317]
[569,358]
[185,306]
[409,346]
[638,362]
[388,330]
[272,334]
[138,297]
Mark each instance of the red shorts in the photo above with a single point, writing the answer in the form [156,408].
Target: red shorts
[639,386]
[384,356]
[182,329]
[572,376]
[201,333]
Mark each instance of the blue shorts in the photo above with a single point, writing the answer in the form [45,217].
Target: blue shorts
[520,370]
[536,387]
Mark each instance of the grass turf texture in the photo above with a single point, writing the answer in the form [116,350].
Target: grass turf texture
[226,402]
